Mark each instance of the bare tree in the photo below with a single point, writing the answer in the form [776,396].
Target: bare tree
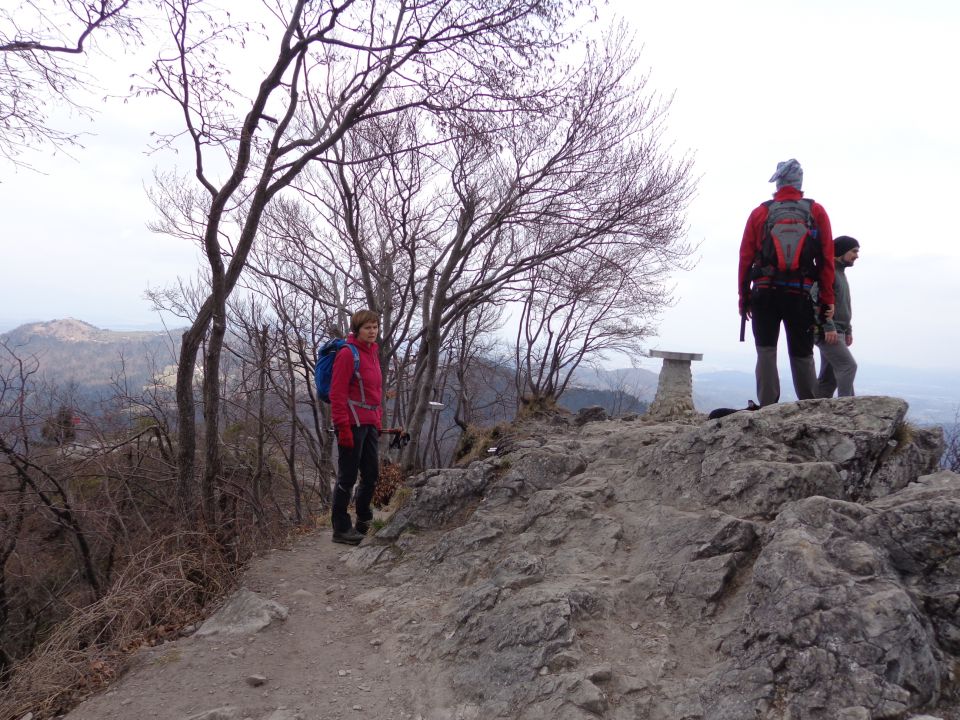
[587,174]
[40,45]
[439,224]
[47,484]
[584,305]
[334,67]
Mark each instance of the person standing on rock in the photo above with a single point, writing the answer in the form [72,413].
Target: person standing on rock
[837,365]
[355,394]
[787,247]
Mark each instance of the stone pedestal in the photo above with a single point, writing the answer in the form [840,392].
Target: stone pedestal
[674,400]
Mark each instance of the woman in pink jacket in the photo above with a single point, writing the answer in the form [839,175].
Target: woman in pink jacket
[355,394]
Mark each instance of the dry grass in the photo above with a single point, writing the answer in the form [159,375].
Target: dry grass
[476,441]
[904,435]
[159,590]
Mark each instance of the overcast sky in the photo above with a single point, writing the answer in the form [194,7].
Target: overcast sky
[863,94]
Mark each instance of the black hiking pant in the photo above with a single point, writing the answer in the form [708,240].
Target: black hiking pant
[795,310]
[362,459]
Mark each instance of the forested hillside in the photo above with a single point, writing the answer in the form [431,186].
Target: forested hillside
[71,353]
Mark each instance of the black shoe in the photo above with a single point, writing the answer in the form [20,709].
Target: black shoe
[362,528]
[347,537]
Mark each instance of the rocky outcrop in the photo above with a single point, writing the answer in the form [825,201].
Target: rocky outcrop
[801,561]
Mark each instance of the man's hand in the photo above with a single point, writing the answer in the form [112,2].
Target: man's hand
[345,436]
[849,339]
[830,337]
[744,308]
[828,312]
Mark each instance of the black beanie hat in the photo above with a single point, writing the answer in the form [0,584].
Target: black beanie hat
[844,244]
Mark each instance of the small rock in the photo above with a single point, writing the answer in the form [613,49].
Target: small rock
[854,713]
[544,670]
[603,673]
[126,702]
[256,680]
[343,673]
[634,625]
[376,642]
[358,707]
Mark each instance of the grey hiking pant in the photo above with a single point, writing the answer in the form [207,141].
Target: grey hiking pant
[837,369]
[802,369]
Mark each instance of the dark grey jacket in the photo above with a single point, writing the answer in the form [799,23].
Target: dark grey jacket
[842,309]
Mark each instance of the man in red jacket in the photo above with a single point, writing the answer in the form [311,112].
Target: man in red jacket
[356,413]
[787,246]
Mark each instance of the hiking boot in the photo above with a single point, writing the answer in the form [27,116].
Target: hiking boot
[363,527]
[347,537]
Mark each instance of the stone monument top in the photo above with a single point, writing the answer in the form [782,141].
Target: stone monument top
[668,355]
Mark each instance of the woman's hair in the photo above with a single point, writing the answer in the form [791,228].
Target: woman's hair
[361,318]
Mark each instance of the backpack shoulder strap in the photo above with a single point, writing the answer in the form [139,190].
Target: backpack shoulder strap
[356,358]
[353,404]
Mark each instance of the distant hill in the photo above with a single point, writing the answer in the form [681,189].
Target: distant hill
[72,352]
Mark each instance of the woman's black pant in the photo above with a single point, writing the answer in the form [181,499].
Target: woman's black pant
[362,459]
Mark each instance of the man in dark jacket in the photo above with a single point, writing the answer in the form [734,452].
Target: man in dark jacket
[770,295]
[837,366]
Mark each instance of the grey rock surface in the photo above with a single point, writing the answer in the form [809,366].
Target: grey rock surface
[801,561]
[594,413]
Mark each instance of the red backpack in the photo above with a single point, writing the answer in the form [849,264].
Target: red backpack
[790,249]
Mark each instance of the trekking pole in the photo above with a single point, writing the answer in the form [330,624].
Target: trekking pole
[743,326]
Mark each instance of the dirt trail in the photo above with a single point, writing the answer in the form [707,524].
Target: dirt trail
[330,659]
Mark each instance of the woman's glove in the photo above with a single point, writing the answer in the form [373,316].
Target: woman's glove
[345,436]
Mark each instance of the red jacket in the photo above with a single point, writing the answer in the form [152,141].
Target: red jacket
[348,406]
[753,237]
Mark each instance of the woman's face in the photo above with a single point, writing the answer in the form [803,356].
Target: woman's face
[368,332]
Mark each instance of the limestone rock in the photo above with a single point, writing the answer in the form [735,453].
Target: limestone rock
[593,413]
[802,560]
[438,497]
[243,614]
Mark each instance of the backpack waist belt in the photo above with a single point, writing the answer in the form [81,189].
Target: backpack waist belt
[769,283]
[354,404]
